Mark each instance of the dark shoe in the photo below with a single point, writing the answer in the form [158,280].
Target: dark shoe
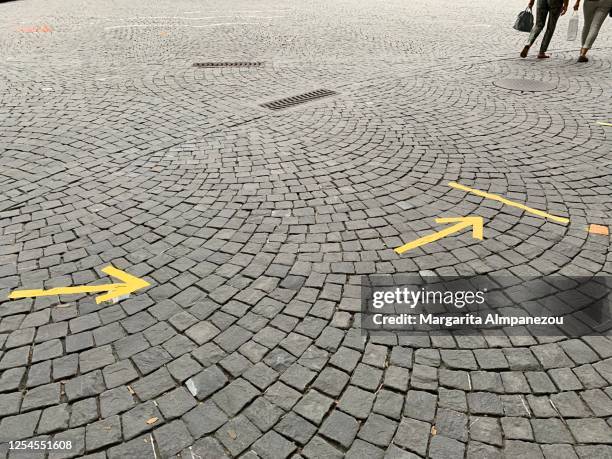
[583,59]
[543,56]
[525,51]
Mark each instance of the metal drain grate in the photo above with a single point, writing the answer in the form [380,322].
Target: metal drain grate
[295,100]
[525,85]
[227,64]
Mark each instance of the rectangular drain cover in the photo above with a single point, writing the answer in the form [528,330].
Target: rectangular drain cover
[228,64]
[295,100]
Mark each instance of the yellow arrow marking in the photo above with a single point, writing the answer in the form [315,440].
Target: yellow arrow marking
[129,285]
[601,123]
[461,223]
[495,197]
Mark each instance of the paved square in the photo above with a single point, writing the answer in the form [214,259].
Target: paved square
[253,220]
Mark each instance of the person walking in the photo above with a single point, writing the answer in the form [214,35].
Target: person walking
[545,8]
[595,13]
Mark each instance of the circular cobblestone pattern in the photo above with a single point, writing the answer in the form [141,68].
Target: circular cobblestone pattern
[253,227]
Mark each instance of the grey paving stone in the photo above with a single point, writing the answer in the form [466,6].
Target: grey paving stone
[237,435]
[134,422]
[517,448]
[479,450]
[96,358]
[10,403]
[64,367]
[590,430]
[389,404]
[234,397]
[296,428]
[175,403]
[378,430]
[18,427]
[151,359]
[183,368]
[345,358]
[76,437]
[593,451]
[317,448]
[154,384]
[550,431]
[364,450]
[53,419]
[39,374]
[313,406]
[119,373]
[485,430]
[539,382]
[420,405]
[41,396]
[205,446]
[84,412]
[47,350]
[356,402]
[452,399]
[424,377]
[11,379]
[340,428]
[79,341]
[282,395]
[517,428]
[103,433]
[569,404]
[263,413]
[491,359]
[204,419]
[599,403]
[273,446]
[172,438]
[260,375]
[551,356]
[565,379]
[85,386]
[393,452]
[521,359]
[413,435]
[458,359]
[487,381]
[484,403]
[297,377]
[452,424]
[445,448]
[366,377]
[429,357]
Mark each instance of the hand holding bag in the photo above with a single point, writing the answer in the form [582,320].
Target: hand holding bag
[524,21]
[574,25]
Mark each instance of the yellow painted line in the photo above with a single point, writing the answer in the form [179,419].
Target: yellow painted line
[461,223]
[129,285]
[601,123]
[503,200]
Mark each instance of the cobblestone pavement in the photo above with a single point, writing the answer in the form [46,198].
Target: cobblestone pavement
[253,227]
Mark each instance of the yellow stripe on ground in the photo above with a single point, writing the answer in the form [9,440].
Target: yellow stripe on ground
[601,123]
[503,200]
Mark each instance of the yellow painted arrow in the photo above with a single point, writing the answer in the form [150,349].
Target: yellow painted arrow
[461,223]
[601,123]
[129,285]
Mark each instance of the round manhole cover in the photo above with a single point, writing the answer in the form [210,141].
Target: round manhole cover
[525,85]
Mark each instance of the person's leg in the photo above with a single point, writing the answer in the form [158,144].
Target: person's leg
[554,13]
[599,16]
[540,22]
[588,11]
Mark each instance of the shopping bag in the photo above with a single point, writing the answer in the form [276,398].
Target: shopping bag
[574,25]
[524,21]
